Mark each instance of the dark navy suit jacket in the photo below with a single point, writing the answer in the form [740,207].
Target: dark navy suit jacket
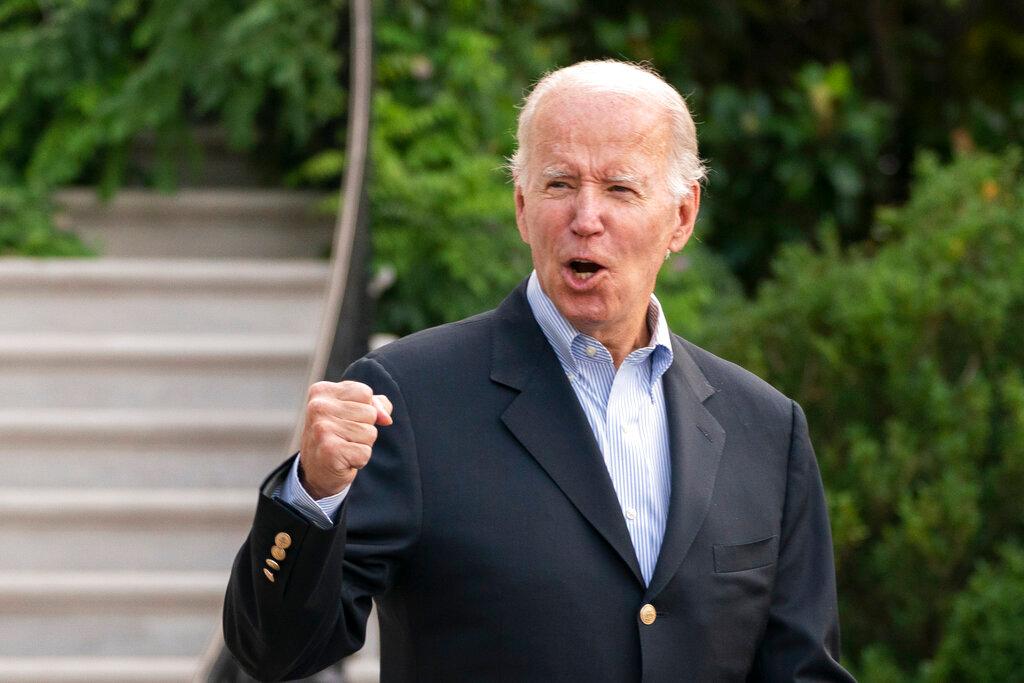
[488,532]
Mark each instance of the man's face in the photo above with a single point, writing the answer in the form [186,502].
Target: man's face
[595,208]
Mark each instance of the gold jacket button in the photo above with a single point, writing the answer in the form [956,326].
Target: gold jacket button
[283,540]
[273,565]
[277,552]
[648,614]
[268,574]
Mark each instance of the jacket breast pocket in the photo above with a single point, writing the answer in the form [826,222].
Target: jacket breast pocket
[738,558]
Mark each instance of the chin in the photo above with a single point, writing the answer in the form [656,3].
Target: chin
[583,315]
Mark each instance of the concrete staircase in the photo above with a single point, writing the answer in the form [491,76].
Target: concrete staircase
[142,401]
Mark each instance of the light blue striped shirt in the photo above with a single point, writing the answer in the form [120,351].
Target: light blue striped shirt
[626,411]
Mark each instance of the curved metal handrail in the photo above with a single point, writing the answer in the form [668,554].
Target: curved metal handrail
[351,215]
[352,206]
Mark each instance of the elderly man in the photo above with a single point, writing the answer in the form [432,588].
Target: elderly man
[559,489]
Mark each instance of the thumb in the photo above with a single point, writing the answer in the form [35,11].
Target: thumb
[384,407]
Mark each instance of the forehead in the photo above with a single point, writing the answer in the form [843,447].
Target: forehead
[609,130]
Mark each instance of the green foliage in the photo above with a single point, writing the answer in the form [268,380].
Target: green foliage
[907,357]
[982,643]
[27,230]
[810,109]
[694,287]
[79,81]
[443,215]
[905,350]
[811,149]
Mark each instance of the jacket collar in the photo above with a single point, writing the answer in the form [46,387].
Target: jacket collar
[547,419]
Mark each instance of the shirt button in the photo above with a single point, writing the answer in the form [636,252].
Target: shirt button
[591,351]
[630,514]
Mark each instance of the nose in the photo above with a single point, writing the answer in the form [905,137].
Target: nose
[587,217]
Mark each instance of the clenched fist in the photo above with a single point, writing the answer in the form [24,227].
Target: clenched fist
[338,435]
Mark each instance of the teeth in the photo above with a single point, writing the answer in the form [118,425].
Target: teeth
[584,276]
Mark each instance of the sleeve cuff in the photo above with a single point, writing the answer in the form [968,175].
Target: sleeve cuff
[321,512]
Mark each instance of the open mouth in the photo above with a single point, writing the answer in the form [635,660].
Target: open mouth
[583,269]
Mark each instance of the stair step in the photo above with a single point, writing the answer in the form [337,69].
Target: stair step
[149,449]
[104,530]
[161,348]
[113,465]
[244,275]
[126,505]
[95,669]
[143,296]
[109,614]
[69,592]
[174,426]
[101,631]
[134,371]
[209,223]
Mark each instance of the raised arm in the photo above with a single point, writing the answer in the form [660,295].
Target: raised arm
[295,610]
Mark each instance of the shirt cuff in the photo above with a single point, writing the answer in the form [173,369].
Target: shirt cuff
[320,512]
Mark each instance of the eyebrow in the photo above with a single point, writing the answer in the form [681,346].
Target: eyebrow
[626,178]
[554,172]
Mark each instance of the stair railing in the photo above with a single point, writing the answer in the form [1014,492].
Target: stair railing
[338,343]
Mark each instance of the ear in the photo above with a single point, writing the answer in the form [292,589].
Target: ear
[687,216]
[520,214]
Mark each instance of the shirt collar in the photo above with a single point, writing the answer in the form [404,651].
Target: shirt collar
[561,334]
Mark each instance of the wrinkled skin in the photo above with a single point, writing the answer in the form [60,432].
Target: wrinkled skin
[595,190]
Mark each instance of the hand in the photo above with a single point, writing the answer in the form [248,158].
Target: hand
[338,434]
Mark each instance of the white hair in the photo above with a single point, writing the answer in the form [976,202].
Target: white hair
[626,79]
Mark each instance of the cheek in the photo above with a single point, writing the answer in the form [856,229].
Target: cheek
[543,226]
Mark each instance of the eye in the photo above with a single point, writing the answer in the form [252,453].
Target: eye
[620,189]
[557,185]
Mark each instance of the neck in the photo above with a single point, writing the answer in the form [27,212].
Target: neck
[620,343]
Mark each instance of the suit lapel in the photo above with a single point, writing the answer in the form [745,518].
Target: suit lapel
[696,440]
[548,421]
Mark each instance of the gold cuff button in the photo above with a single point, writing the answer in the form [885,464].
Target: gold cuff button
[648,614]
[273,565]
[277,552]
[283,540]
[268,574]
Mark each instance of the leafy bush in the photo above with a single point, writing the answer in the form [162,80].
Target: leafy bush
[819,109]
[908,360]
[444,111]
[809,149]
[983,640]
[26,228]
[695,288]
[80,81]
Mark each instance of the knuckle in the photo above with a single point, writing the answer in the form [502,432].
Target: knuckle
[357,391]
[318,405]
[321,388]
